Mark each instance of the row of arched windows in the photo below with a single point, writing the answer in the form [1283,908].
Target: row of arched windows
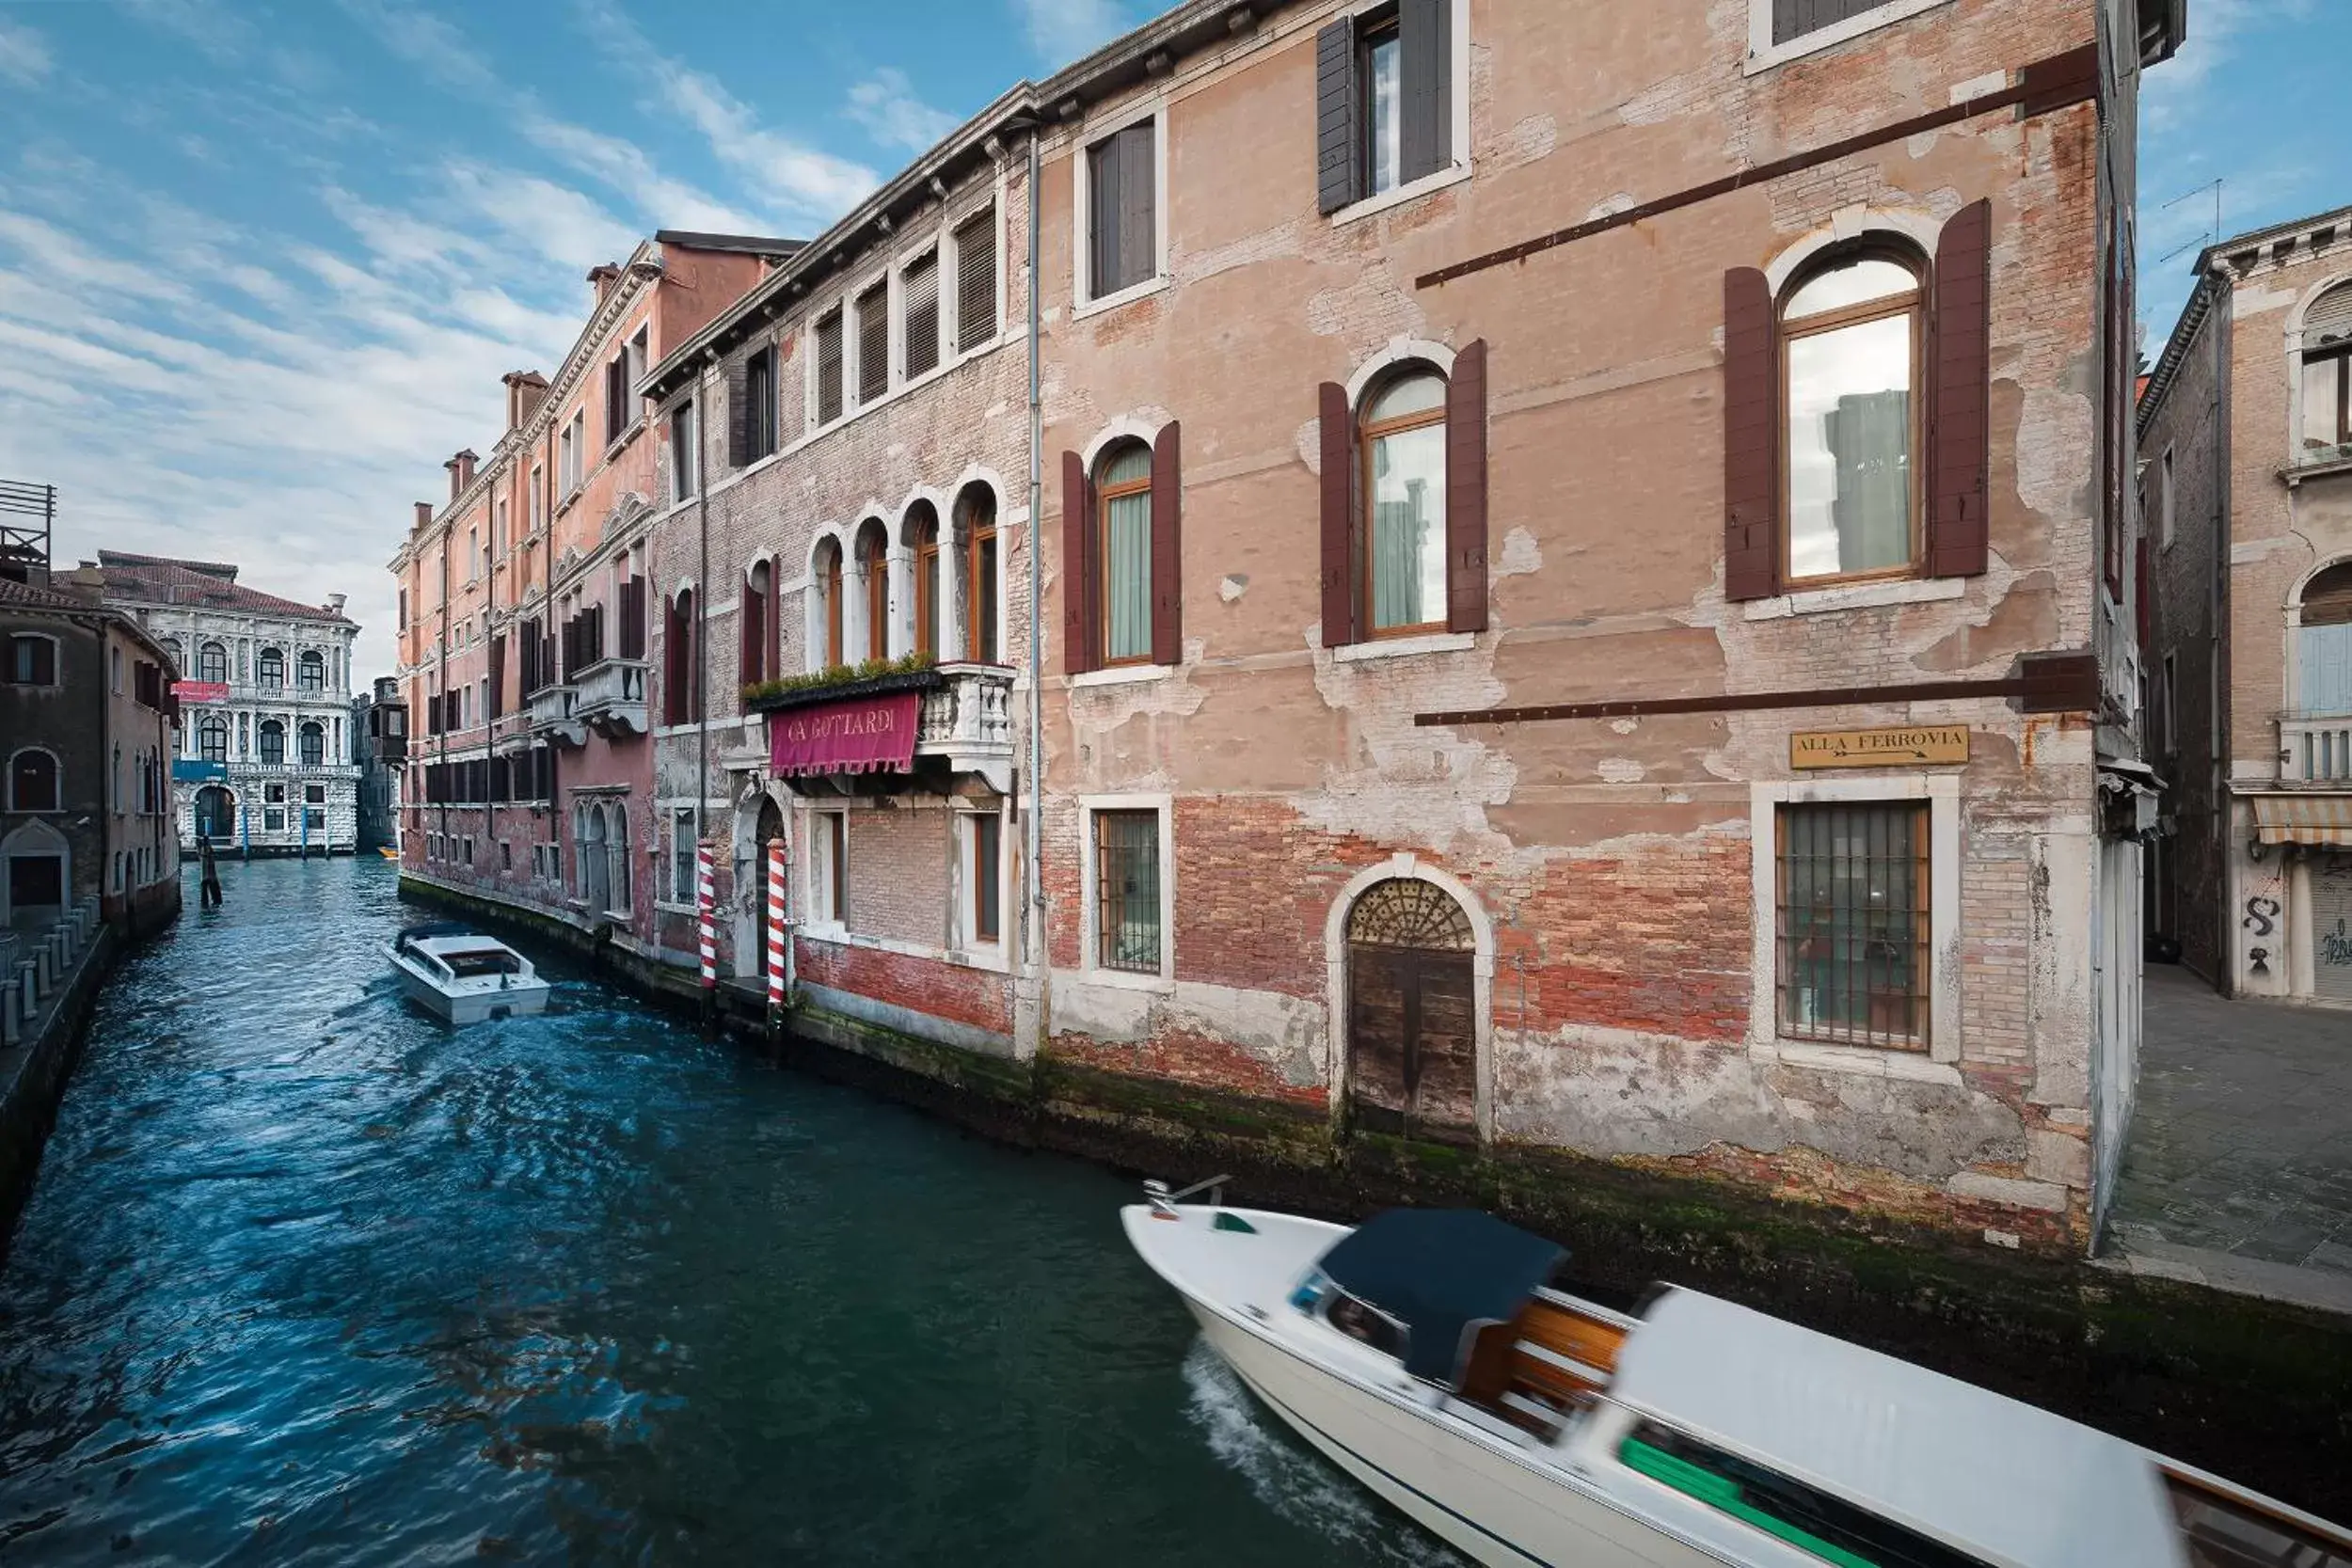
[923,586]
[601,841]
[269,666]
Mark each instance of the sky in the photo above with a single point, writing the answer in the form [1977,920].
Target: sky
[263,261]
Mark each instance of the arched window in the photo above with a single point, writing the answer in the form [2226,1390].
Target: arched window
[1850,342]
[311,673]
[873,572]
[1123,503]
[33,781]
[212,739]
[2327,376]
[617,853]
[1402,433]
[2324,645]
[828,607]
[976,531]
[313,740]
[271,672]
[273,743]
[922,542]
[212,662]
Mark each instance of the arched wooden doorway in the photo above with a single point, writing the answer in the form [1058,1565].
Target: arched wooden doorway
[215,814]
[1412,1012]
[767,830]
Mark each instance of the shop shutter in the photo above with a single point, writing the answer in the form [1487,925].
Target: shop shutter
[1425,43]
[1751,437]
[1337,165]
[1168,557]
[1339,517]
[1466,491]
[1961,396]
[1077,567]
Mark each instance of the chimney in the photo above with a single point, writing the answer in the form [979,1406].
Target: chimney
[424,514]
[335,603]
[525,392]
[85,581]
[460,472]
[603,275]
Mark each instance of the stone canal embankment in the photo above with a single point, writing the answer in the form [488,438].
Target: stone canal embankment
[2253,1388]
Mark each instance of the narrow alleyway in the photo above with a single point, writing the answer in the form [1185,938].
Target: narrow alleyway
[2239,1168]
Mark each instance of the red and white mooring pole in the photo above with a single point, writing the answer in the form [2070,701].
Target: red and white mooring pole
[776,933]
[705,915]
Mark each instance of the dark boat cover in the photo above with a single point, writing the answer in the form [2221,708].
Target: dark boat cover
[1443,1274]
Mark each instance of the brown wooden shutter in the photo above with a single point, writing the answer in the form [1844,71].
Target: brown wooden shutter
[1339,517]
[829,367]
[1337,159]
[747,634]
[1466,491]
[1425,36]
[1103,218]
[1138,203]
[1077,567]
[739,416]
[1751,437]
[976,281]
[1961,396]
[873,343]
[1167,556]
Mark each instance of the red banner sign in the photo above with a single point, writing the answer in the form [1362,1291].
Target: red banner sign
[201,691]
[864,734]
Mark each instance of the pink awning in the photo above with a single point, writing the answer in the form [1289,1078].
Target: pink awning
[863,735]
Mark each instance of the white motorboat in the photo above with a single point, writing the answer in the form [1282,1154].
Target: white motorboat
[1429,1355]
[464,977]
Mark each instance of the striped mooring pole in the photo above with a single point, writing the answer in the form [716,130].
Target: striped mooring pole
[777,937]
[706,917]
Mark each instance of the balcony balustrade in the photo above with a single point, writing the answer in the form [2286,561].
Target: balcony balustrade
[967,719]
[2315,748]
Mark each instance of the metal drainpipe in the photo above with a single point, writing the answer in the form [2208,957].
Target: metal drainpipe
[1034,938]
[700,688]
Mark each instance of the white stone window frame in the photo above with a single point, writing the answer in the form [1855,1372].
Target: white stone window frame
[817,874]
[1941,791]
[57,661]
[969,947]
[1089,929]
[1459,164]
[2292,336]
[2292,638]
[1083,305]
[1763,54]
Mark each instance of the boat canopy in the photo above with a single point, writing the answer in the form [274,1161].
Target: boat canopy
[2001,1479]
[1443,1274]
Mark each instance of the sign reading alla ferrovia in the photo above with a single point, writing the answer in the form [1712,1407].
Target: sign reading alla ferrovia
[1913,744]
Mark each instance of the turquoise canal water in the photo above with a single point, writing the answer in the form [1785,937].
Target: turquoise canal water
[308,1278]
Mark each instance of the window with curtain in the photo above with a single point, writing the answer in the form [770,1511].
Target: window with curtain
[1122,488]
[1403,452]
[273,743]
[212,740]
[271,672]
[2324,644]
[1849,352]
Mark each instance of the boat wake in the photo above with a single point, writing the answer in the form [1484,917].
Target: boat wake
[1292,1479]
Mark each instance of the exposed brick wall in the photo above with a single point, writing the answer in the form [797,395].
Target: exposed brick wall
[899,874]
[977,997]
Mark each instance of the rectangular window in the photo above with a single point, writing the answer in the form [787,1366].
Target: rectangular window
[2168,723]
[1853,924]
[829,367]
[1125,502]
[616,399]
[987,877]
[982,587]
[918,287]
[685,456]
[2164,500]
[833,847]
[1122,199]
[316,821]
[538,499]
[682,855]
[759,405]
[1384,101]
[1127,890]
[2327,405]
[1794,19]
[274,819]
[975,280]
[873,343]
[32,660]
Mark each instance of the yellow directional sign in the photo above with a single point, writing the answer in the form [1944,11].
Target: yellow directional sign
[1912,746]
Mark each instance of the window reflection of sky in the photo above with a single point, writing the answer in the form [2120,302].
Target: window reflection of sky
[1852,361]
[1388,123]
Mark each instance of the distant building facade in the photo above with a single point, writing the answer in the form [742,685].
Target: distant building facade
[379,745]
[87,737]
[264,766]
[2245,477]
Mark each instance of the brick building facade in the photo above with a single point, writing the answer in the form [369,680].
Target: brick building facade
[1486,456]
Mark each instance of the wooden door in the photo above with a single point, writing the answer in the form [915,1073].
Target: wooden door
[1412,1028]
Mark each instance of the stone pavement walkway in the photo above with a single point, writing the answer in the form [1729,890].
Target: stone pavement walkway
[2238,1169]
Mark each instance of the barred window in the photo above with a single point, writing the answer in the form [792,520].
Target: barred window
[1127,890]
[1852,902]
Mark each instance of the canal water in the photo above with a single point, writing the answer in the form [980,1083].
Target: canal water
[310,1279]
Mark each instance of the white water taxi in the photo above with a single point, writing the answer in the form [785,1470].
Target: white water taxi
[1429,1355]
[464,977]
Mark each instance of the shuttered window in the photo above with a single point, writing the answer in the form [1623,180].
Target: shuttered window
[1122,211]
[829,369]
[1794,19]
[1121,534]
[873,343]
[1384,101]
[1404,530]
[975,280]
[920,287]
[759,405]
[1123,493]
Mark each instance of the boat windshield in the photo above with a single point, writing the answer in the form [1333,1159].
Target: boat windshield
[473,964]
[1357,1320]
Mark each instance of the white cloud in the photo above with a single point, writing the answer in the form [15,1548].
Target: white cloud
[886,105]
[24,56]
[1067,30]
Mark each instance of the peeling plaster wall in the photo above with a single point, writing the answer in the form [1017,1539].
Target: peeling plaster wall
[1614,859]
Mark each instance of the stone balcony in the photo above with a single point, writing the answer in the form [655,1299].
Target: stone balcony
[610,696]
[2315,749]
[554,715]
[967,719]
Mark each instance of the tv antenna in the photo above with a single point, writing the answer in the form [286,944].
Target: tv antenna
[2211,236]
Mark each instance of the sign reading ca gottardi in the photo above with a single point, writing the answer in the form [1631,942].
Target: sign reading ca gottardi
[1921,745]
